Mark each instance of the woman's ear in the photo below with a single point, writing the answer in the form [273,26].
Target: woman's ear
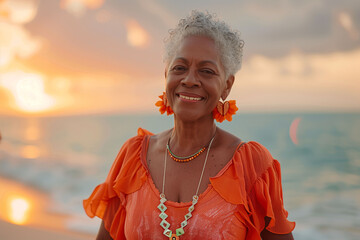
[229,83]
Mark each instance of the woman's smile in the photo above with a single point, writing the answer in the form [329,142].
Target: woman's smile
[188,97]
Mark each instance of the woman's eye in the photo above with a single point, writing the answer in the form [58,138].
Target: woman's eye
[178,68]
[207,71]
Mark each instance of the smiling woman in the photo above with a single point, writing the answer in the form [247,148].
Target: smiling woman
[194,181]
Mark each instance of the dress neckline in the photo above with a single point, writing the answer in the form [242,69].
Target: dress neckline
[143,155]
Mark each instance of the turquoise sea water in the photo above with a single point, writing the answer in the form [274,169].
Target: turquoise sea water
[68,156]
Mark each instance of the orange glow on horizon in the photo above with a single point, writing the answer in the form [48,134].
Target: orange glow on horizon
[30,152]
[28,90]
[22,204]
[32,132]
[18,210]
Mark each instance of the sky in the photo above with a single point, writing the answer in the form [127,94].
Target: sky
[66,57]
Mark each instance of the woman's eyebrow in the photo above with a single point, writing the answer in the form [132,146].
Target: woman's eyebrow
[208,61]
[201,63]
[181,59]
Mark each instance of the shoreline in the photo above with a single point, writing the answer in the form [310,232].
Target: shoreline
[9,231]
[38,222]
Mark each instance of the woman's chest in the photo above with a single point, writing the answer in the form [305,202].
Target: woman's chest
[181,181]
[213,218]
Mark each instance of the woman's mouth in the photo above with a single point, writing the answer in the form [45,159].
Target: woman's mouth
[189,98]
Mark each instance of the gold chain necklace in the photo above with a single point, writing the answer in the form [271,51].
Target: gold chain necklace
[165,224]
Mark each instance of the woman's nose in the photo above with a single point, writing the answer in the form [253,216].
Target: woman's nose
[191,79]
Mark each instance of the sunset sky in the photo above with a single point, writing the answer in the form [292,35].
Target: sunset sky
[105,56]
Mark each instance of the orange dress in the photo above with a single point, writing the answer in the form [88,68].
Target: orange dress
[233,206]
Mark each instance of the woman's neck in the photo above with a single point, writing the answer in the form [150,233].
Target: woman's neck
[188,137]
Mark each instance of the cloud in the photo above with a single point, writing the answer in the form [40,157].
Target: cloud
[15,40]
[137,36]
[18,11]
[103,16]
[298,81]
[79,7]
[298,54]
[159,11]
[275,28]
[347,23]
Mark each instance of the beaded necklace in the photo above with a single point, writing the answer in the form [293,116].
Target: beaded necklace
[165,224]
[186,158]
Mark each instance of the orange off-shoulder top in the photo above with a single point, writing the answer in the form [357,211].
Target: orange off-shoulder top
[234,205]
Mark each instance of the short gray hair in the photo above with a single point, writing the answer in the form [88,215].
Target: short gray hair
[205,24]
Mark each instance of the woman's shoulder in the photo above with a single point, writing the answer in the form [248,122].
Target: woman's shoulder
[127,167]
[228,139]
[144,142]
[131,149]
[251,161]
[252,154]
[136,140]
[159,139]
[254,160]
[256,150]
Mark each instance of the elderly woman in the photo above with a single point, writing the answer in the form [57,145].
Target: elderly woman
[194,181]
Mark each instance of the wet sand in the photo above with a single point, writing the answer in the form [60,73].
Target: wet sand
[9,231]
[39,223]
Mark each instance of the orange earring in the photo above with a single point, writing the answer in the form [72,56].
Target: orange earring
[225,110]
[164,105]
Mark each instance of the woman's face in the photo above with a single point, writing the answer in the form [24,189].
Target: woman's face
[196,79]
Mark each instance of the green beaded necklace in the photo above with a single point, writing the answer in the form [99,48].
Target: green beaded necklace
[165,224]
[186,158]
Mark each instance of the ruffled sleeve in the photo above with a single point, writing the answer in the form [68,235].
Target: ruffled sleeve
[258,191]
[126,176]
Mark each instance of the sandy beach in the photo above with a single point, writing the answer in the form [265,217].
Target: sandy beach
[9,231]
[38,223]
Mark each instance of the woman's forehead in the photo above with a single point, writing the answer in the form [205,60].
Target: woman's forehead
[198,48]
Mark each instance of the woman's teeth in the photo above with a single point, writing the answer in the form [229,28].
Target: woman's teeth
[190,98]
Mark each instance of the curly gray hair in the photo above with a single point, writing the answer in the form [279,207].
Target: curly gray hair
[205,24]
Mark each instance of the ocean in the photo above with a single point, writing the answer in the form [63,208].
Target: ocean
[66,157]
